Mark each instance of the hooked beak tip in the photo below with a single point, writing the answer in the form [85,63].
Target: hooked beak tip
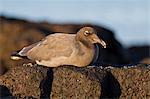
[102,43]
[104,46]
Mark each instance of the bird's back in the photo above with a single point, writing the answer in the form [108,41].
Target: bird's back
[54,45]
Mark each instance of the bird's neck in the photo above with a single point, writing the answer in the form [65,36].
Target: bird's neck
[84,41]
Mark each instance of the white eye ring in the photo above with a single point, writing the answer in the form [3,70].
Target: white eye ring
[86,33]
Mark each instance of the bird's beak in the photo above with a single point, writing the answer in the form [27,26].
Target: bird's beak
[96,39]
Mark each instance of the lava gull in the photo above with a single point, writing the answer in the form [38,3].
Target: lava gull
[63,49]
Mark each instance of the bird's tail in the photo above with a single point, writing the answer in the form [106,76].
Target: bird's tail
[16,56]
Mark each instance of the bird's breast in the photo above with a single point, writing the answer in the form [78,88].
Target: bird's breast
[82,56]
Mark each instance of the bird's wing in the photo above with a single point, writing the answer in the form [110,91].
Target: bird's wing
[51,47]
[25,50]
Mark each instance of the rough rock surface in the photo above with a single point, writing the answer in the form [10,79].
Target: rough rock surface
[61,82]
[134,81]
[78,83]
[23,81]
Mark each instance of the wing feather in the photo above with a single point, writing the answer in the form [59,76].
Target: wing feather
[25,50]
[51,47]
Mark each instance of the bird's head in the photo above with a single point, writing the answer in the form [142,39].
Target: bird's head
[88,35]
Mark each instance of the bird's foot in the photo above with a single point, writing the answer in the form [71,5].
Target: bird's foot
[92,66]
[28,65]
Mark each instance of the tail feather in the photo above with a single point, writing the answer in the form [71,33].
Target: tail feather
[16,56]
[20,54]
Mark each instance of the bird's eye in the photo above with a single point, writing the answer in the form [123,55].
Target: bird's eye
[86,33]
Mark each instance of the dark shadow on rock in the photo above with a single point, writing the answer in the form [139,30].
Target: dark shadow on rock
[110,87]
[5,92]
[46,85]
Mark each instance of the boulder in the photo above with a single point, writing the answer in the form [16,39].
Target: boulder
[134,81]
[72,82]
[23,81]
[78,83]
[61,82]
[14,35]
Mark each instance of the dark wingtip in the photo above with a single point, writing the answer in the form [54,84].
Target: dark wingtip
[16,54]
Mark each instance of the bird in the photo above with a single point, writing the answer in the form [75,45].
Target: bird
[60,49]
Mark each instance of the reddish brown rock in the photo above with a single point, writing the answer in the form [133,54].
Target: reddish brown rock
[134,81]
[145,61]
[78,83]
[13,36]
[24,81]
[61,82]
[73,82]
